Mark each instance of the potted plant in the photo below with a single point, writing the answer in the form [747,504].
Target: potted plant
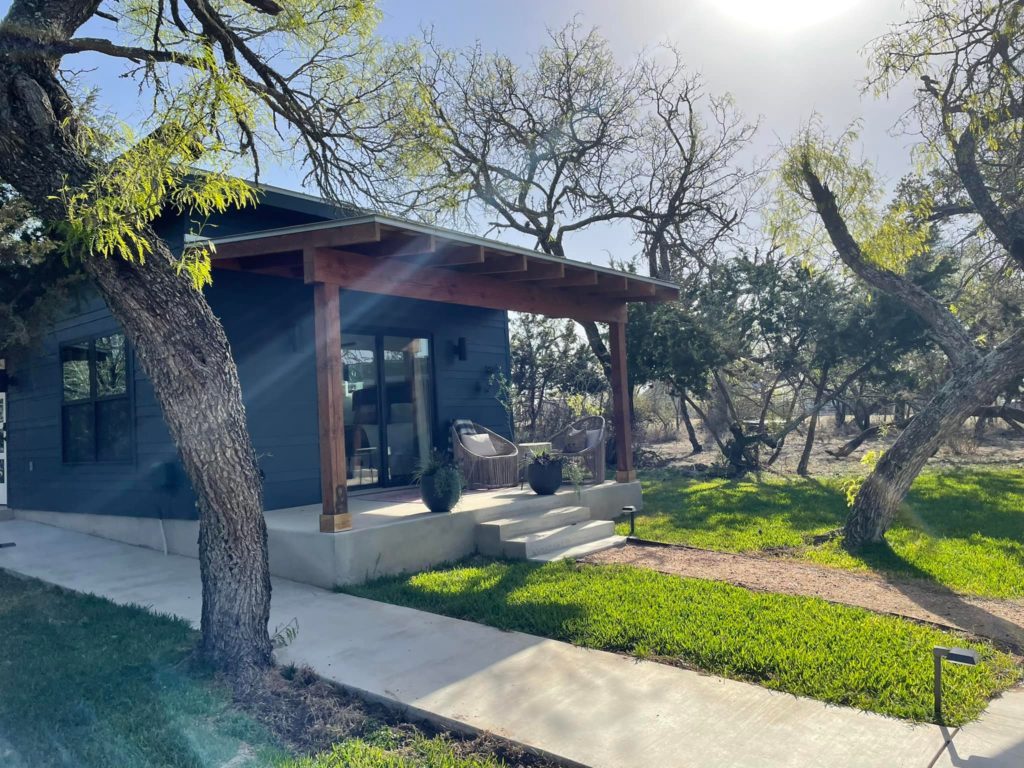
[544,473]
[440,482]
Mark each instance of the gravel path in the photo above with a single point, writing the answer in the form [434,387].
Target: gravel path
[1002,621]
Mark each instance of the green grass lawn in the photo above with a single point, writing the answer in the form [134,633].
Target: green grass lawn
[86,683]
[801,645]
[962,529]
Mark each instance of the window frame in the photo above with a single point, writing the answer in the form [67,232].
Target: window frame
[93,400]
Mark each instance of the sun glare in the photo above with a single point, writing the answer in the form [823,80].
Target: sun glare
[783,15]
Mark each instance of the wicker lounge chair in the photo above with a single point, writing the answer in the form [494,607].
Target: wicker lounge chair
[591,454]
[496,466]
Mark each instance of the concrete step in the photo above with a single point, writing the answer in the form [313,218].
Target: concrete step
[537,543]
[491,534]
[580,550]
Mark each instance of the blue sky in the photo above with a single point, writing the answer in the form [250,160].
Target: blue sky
[773,67]
[782,60]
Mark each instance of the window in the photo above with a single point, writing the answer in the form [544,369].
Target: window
[96,415]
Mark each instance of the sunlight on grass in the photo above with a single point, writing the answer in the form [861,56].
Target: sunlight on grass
[801,645]
[86,682]
[962,529]
[90,684]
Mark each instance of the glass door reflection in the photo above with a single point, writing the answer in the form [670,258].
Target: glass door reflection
[408,406]
[362,409]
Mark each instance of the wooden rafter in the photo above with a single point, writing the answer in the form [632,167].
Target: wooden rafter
[357,272]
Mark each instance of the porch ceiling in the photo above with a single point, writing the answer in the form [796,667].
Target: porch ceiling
[386,255]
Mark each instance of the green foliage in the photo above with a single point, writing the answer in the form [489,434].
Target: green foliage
[310,83]
[111,214]
[445,474]
[668,343]
[851,485]
[389,751]
[34,280]
[554,376]
[890,236]
[961,529]
[801,645]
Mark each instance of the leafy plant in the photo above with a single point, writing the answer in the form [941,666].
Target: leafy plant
[285,634]
[440,467]
[544,458]
[573,472]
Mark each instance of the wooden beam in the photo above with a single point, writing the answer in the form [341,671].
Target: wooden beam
[610,283]
[394,278]
[499,263]
[665,293]
[637,289]
[448,256]
[341,236]
[396,246]
[574,279]
[540,270]
[334,515]
[622,418]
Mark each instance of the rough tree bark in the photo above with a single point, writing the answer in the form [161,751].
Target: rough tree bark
[883,491]
[974,381]
[691,433]
[176,337]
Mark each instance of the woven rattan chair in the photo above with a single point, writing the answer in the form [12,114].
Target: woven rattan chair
[498,471]
[591,456]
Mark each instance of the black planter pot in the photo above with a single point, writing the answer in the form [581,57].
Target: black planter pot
[443,496]
[544,479]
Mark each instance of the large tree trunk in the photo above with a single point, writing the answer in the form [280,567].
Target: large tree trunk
[185,353]
[969,387]
[691,433]
[176,337]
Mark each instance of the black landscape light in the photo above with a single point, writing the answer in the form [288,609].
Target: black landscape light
[963,656]
[632,519]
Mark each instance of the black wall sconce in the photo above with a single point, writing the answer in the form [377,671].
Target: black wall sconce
[459,348]
[4,380]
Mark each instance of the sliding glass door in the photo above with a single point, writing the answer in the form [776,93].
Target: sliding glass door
[389,397]
[360,364]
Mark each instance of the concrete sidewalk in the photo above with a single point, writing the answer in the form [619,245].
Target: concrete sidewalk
[587,707]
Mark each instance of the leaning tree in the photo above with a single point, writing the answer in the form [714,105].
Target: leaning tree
[967,56]
[224,84]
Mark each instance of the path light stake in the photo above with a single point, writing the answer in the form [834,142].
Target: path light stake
[632,519]
[954,656]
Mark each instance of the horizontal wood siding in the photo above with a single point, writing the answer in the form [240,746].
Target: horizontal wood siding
[269,322]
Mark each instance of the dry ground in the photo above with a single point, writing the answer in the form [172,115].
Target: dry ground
[1002,621]
[999,448]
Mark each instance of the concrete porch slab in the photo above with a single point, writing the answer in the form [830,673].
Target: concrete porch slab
[391,531]
[587,707]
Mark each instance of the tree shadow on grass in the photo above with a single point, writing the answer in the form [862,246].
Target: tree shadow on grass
[924,590]
[791,510]
[486,593]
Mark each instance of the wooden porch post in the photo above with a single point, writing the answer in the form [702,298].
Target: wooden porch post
[334,516]
[623,419]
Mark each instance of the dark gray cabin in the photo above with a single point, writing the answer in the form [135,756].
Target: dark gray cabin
[86,435]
